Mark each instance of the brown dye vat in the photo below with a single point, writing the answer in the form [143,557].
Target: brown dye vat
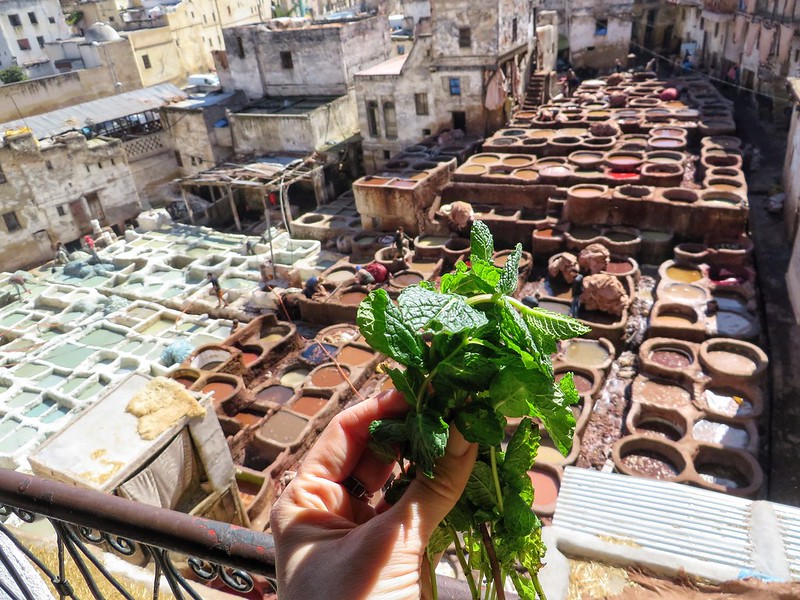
[671,358]
[662,394]
[327,377]
[249,358]
[545,487]
[220,389]
[731,362]
[277,394]
[309,405]
[580,191]
[283,427]
[517,161]
[472,170]
[374,181]
[617,268]
[674,320]
[666,142]
[484,159]
[185,381]
[247,418]
[582,383]
[727,403]
[402,183]
[650,464]
[407,279]
[352,298]
[659,428]
[248,491]
[526,174]
[350,355]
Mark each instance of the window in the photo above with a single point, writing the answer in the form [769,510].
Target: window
[205,19]
[426,132]
[421,100]
[240,46]
[24,44]
[702,23]
[60,210]
[112,162]
[601,27]
[146,61]
[32,17]
[229,11]
[390,119]
[40,39]
[49,165]
[797,56]
[100,165]
[514,30]
[12,223]
[387,155]
[455,86]
[52,20]
[286,60]
[464,37]
[2,176]
[214,16]
[95,207]
[111,18]
[178,158]
[14,20]
[372,118]
[716,29]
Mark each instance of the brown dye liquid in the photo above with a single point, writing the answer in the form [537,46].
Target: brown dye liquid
[327,377]
[352,298]
[618,267]
[219,389]
[249,358]
[585,192]
[673,320]
[582,384]
[517,161]
[185,381]
[248,418]
[662,394]
[213,364]
[351,355]
[309,405]
[674,359]
[277,394]
[488,159]
[731,362]
[248,491]
[283,427]
[545,487]
[407,279]
[473,169]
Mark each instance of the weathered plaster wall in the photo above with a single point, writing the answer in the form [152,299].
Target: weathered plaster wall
[598,51]
[449,15]
[42,179]
[10,52]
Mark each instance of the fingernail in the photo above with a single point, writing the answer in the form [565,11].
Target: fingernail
[456,444]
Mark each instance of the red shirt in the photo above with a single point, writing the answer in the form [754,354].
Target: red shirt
[378,271]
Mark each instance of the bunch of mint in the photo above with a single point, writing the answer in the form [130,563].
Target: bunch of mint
[475,356]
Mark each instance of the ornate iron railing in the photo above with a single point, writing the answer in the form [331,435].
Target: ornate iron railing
[81,518]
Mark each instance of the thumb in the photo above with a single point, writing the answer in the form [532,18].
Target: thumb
[429,500]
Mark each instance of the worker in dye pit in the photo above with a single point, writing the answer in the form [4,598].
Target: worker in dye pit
[363,277]
[314,287]
[577,290]
[216,288]
[87,239]
[400,243]
[378,272]
[264,271]
[250,248]
[61,257]
[18,281]
[617,65]
[326,531]
[234,326]
[572,82]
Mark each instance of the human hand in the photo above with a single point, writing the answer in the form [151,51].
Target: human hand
[331,545]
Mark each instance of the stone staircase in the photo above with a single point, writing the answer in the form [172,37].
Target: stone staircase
[538,90]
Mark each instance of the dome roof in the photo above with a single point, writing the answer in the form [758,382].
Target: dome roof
[101,32]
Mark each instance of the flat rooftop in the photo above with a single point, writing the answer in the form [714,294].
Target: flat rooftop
[289,105]
[393,66]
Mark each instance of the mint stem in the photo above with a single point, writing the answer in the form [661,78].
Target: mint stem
[496,477]
[537,585]
[476,595]
[434,586]
[496,576]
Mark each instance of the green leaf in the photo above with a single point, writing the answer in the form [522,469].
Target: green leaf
[407,382]
[518,518]
[486,276]
[523,585]
[481,242]
[567,387]
[480,487]
[509,278]
[521,451]
[397,488]
[469,369]
[391,431]
[427,434]
[560,327]
[439,541]
[382,326]
[478,422]
[426,310]
[458,281]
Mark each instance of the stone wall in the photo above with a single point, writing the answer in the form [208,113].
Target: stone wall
[587,48]
[44,181]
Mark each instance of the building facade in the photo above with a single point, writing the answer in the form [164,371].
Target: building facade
[599,32]
[51,191]
[465,66]
[25,27]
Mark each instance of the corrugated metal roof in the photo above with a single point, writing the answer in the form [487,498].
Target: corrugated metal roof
[97,111]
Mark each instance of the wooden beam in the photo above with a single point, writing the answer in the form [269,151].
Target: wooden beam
[187,205]
[233,209]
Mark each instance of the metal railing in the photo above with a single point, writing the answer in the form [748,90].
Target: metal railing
[82,518]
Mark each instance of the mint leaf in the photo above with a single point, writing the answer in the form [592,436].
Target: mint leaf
[383,328]
[518,517]
[524,586]
[567,387]
[391,431]
[521,451]
[426,310]
[468,369]
[427,434]
[454,282]
[481,242]
[407,382]
[509,278]
[478,422]
[485,276]
[480,488]
[560,327]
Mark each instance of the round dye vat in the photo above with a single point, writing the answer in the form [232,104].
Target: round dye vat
[684,275]
[185,381]
[669,319]
[248,418]
[727,403]
[340,276]
[248,358]
[556,171]
[684,291]
[517,161]
[352,298]
[732,324]
[318,353]
[731,362]
[272,337]
[650,464]
[328,377]
[585,353]
[556,307]
[473,169]
[545,486]
[432,240]
[294,378]
[620,236]
[672,358]
[407,279]
[585,191]
[339,334]
[309,405]
[582,383]
[353,356]
[584,233]
[527,174]
[277,394]
[720,474]
[221,390]
[284,427]
[617,268]
[484,159]
[549,455]
[662,394]
[30,370]
[720,433]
